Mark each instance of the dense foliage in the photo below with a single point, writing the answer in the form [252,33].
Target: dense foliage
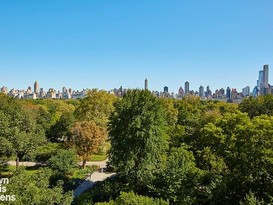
[137,136]
[164,151]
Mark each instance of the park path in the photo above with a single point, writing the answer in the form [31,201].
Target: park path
[90,181]
[101,164]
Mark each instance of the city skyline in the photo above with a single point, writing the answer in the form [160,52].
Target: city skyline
[262,87]
[88,44]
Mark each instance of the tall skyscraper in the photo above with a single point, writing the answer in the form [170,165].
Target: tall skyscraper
[265,79]
[208,91]
[228,94]
[201,91]
[146,84]
[166,89]
[260,79]
[187,87]
[36,87]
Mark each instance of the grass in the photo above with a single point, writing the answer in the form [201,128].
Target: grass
[98,157]
[7,170]
[80,173]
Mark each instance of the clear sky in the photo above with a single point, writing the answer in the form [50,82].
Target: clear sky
[109,43]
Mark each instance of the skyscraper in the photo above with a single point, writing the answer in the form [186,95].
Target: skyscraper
[201,91]
[166,89]
[265,79]
[208,91]
[146,84]
[36,87]
[187,87]
[181,91]
[246,91]
[228,93]
[260,79]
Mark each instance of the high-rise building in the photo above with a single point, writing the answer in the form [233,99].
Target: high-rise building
[187,87]
[228,94]
[260,79]
[222,91]
[146,84]
[181,91]
[64,90]
[265,80]
[166,89]
[208,91]
[246,91]
[201,91]
[36,87]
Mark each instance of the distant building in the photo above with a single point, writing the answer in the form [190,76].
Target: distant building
[228,93]
[187,87]
[166,89]
[30,96]
[36,88]
[64,90]
[222,91]
[4,90]
[51,94]
[246,91]
[201,91]
[265,89]
[180,91]
[260,79]
[29,90]
[209,93]
[146,84]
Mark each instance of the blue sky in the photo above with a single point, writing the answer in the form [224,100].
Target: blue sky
[106,44]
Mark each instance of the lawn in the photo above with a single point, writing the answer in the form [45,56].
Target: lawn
[97,157]
[7,170]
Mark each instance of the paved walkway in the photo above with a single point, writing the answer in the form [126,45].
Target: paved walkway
[101,164]
[91,181]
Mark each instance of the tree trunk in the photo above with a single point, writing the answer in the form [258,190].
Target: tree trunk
[84,163]
[17,163]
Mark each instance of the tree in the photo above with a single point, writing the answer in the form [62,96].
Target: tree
[236,152]
[63,162]
[33,189]
[257,106]
[134,199]
[18,130]
[61,130]
[137,136]
[178,177]
[96,106]
[86,137]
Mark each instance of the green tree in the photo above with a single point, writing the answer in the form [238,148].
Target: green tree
[18,129]
[178,177]
[35,189]
[257,106]
[63,162]
[137,136]
[61,130]
[96,106]
[133,199]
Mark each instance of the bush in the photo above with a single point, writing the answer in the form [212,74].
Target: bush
[133,199]
[63,162]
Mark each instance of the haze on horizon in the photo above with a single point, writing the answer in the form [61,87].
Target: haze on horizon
[107,44]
